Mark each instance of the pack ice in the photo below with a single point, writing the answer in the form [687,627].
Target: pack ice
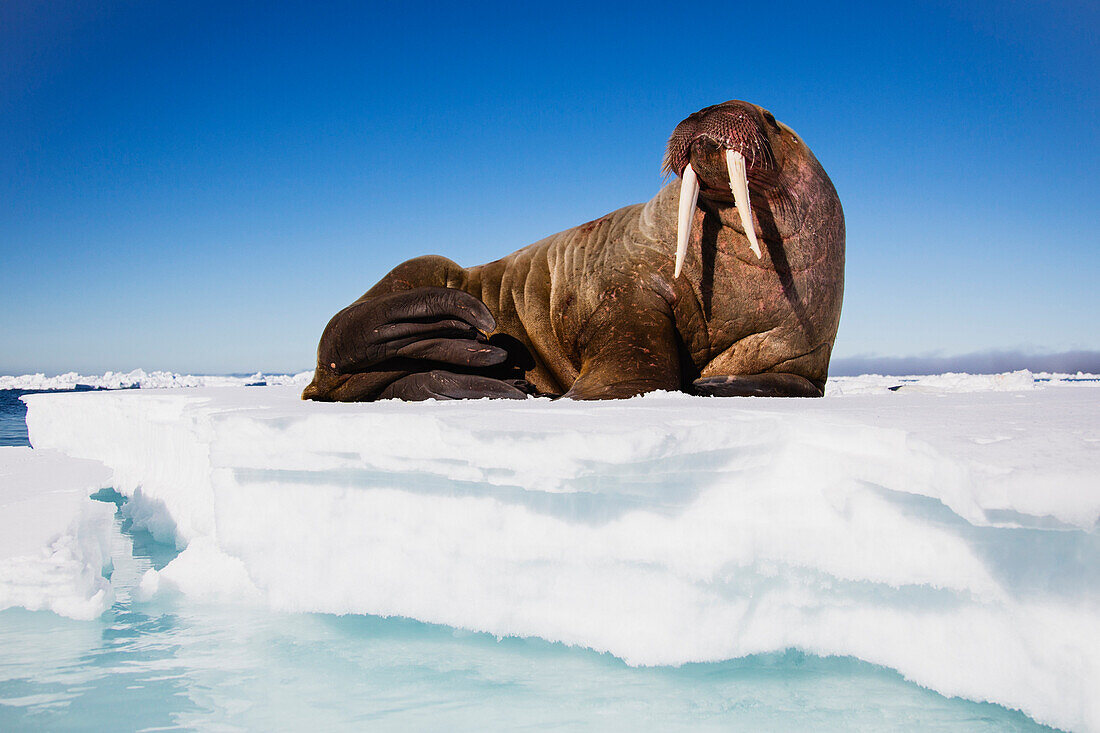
[948,530]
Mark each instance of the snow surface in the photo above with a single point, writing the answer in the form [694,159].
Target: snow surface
[139,378]
[54,539]
[948,529]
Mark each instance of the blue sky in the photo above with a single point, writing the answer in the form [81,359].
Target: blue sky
[200,186]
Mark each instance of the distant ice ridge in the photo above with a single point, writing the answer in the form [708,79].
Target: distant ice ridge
[949,534]
[139,378]
[951,382]
[54,539]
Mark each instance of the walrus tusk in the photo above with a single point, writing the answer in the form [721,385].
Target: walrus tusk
[689,196]
[739,187]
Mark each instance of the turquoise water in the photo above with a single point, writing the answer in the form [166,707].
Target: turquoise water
[173,664]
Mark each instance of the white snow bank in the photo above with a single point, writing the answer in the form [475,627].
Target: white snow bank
[54,539]
[950,535]
[139,378]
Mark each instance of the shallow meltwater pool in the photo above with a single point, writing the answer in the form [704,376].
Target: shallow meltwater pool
[172,663]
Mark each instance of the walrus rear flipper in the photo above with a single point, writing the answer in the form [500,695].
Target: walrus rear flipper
[756,385]
[423,343]
[624,357]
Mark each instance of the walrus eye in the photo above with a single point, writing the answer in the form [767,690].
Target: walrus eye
[739,187]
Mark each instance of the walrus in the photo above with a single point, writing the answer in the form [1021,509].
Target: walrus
[727,283]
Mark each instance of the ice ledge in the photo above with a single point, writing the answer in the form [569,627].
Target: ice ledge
[951,536]
[54,539]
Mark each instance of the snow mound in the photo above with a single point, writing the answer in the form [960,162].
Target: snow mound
[948,533]
[54,539]
[139,378]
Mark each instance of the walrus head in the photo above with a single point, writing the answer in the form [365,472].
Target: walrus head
[735,152]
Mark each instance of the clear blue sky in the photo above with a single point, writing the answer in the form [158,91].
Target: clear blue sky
[200,186]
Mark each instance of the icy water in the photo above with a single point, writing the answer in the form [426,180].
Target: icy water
[174,664]
[13,414]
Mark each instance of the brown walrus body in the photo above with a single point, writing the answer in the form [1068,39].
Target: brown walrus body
[600,311]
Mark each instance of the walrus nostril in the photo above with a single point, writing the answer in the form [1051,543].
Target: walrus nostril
[706,145]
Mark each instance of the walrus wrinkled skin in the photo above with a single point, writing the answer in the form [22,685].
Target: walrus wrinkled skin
[596,312]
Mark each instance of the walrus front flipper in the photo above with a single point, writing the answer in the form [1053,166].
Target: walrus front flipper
[756,385]
[435,324]
[624,357]
[373,348]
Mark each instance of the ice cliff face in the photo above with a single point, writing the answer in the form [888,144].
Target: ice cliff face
[54,539]
[949,534]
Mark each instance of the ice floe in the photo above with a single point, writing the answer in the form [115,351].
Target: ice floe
[948,529]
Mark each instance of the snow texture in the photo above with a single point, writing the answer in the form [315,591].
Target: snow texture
[948,529]
[54,539]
